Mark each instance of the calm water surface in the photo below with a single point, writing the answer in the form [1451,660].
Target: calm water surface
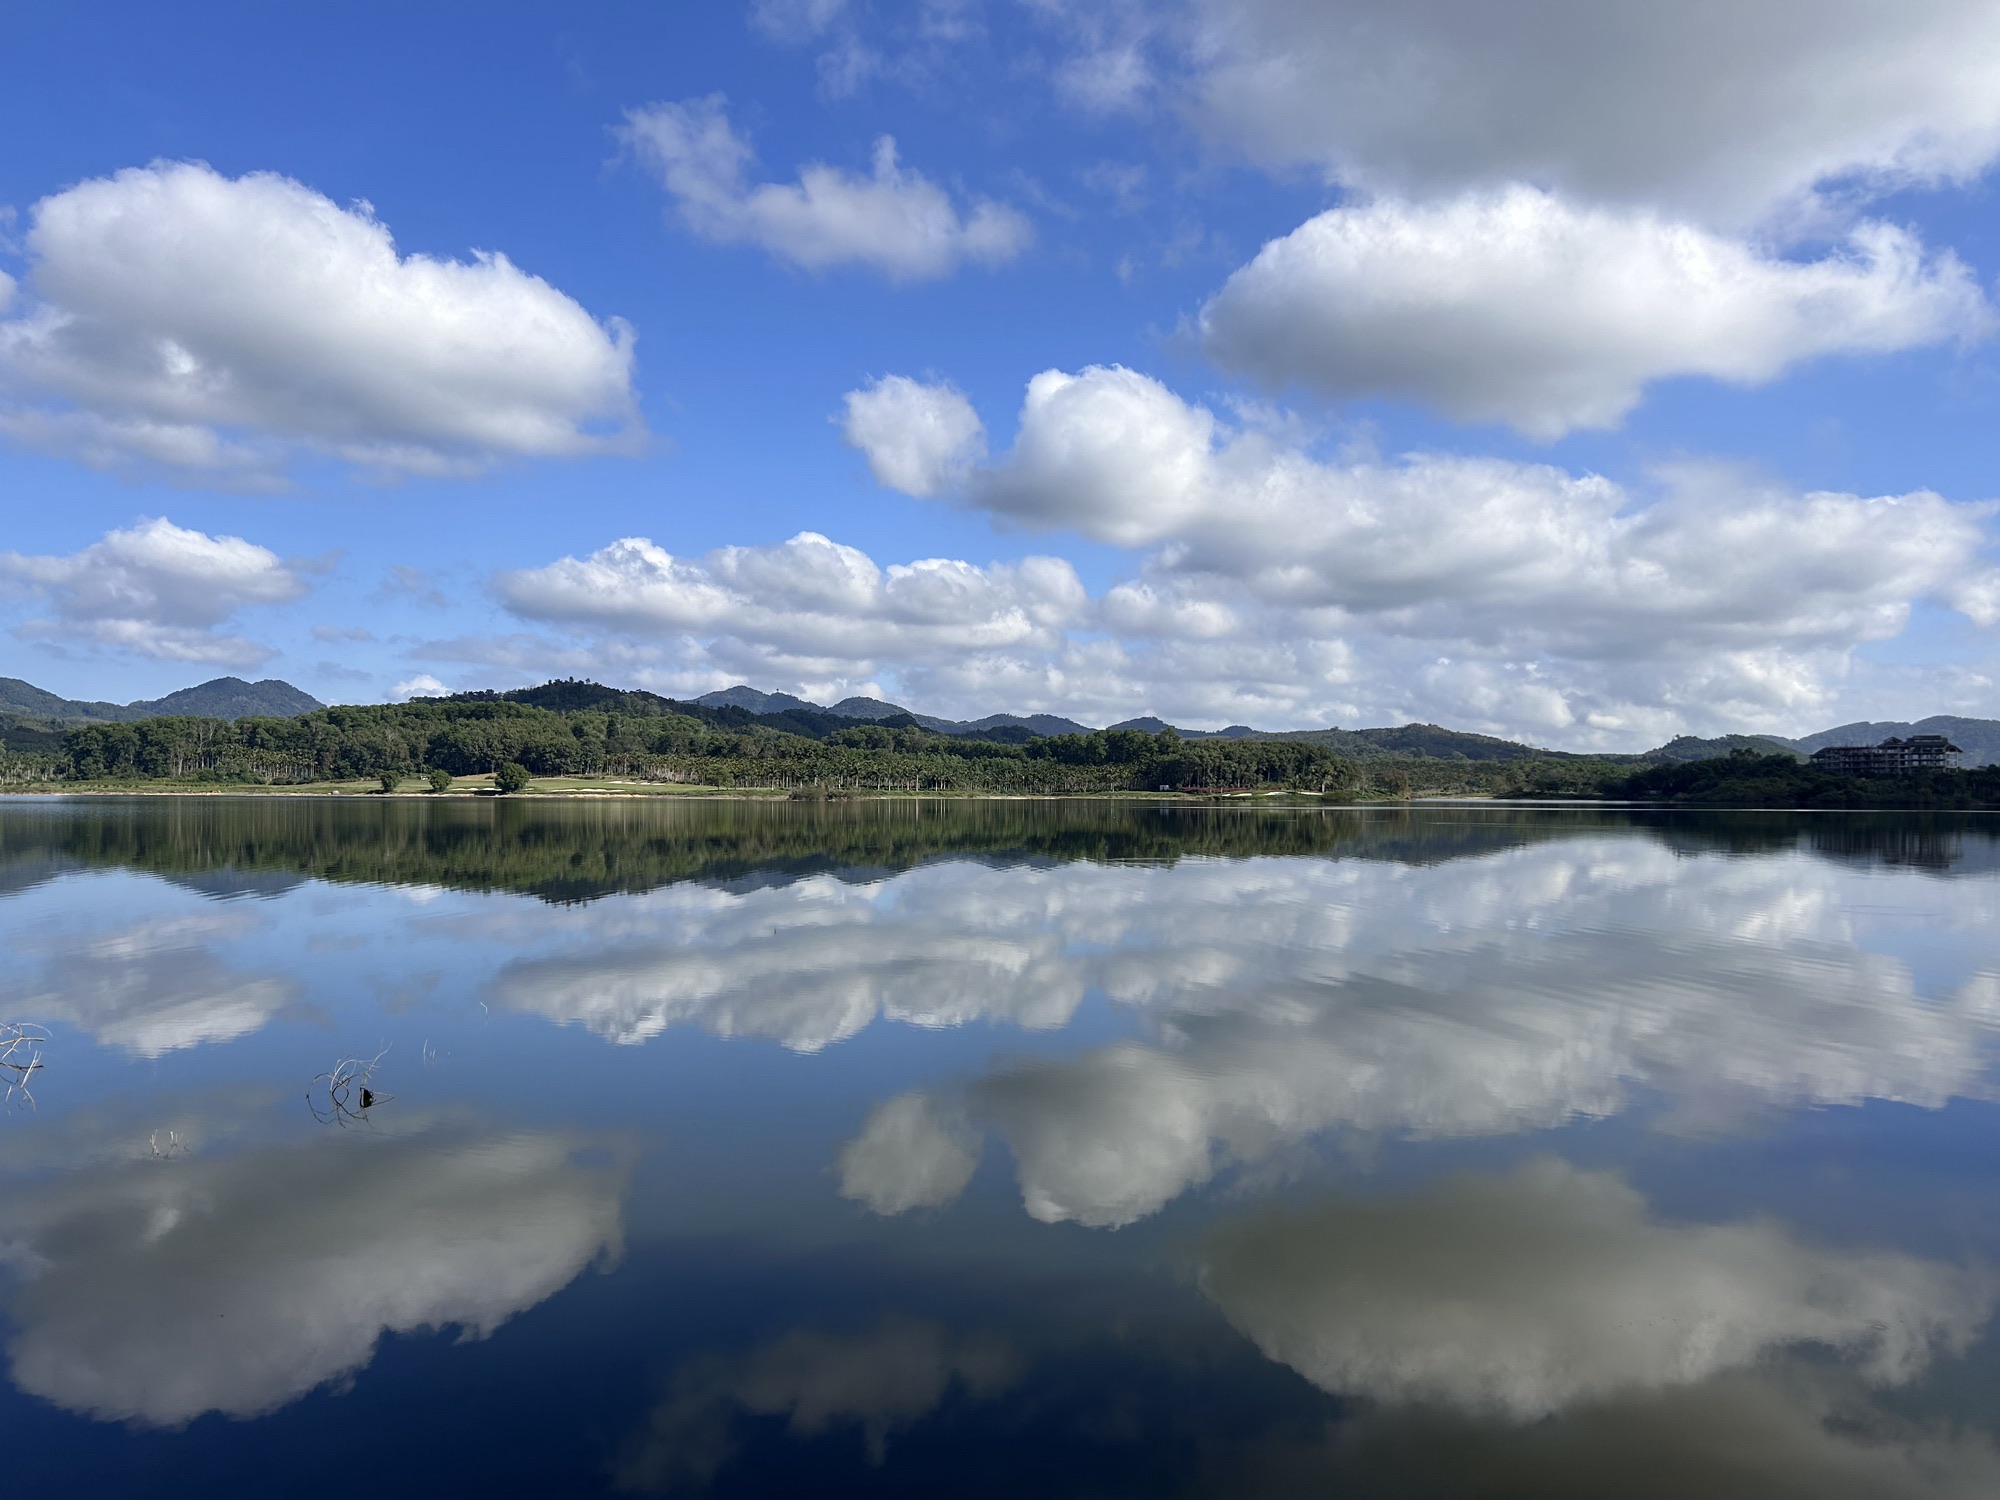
[997,1149]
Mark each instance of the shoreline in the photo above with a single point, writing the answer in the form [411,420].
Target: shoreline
[704,794]
[682,792]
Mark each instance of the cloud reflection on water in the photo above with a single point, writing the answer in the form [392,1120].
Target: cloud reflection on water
[154,1291]
[1542,1333]
[809,964]
[914,1151]
[1521,1295]
[880,1381]
[156,985]
[1488,997]
[1281,997]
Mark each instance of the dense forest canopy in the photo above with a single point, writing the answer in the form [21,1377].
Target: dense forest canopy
[581,729]
[1744,778]
[584,730]
[716,747]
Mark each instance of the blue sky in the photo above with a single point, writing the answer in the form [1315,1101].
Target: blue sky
[1570,371]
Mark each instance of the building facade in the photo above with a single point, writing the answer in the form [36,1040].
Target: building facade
[1893,757]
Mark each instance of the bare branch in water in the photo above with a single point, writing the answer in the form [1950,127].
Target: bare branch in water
[346,1091]
[20,1059]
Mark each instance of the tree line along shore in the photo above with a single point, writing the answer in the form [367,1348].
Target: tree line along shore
[688,746]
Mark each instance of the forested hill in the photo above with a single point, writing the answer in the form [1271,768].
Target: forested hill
[1429,740]
[686,743]
[18,697]
[231,698]
[220,698]
[875,711]
[1978,738]
[1685,747]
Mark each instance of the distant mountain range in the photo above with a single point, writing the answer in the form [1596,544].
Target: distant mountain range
[220,698]
[1978,738]
[873,709]
[233,698]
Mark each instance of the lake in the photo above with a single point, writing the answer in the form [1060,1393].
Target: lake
[996,1148]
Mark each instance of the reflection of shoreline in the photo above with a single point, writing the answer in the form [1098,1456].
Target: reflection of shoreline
[577,848]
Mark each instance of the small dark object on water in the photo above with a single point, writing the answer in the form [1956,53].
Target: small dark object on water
[349,1079]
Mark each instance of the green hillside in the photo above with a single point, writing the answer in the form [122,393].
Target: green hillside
[219,698]
[1686,747]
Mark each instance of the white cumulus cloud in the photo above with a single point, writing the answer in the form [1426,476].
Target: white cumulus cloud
[1116,455]
[1726,112]
[1279,586]
[213,326]
[917,438]
[1716,576]
[806,606]
[155,589]
[1516,306]
[895,221]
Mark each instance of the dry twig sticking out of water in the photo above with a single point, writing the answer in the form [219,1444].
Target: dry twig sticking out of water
[346,1091]
[20,1058]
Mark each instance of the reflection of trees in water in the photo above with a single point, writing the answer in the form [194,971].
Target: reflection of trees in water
[1964,843]
[576,851]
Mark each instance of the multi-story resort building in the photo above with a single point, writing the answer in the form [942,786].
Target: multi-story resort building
[1893,757]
